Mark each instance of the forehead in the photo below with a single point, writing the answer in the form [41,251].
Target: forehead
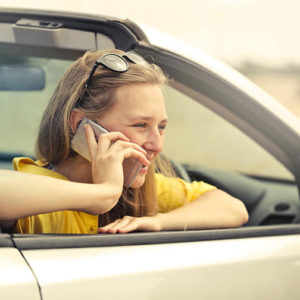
[139,99]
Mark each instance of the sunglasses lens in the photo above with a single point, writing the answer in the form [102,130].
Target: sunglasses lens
[135,58]
[114,62]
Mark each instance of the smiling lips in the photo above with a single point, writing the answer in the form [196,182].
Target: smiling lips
[143,170]
[150,157]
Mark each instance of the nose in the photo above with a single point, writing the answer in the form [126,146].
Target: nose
[154,142]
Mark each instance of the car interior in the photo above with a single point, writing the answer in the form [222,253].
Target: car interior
[202,144]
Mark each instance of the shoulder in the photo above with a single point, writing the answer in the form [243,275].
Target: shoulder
[173,192]
[164,183]
[28,165]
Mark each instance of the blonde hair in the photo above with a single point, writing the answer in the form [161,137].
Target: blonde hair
[54,138]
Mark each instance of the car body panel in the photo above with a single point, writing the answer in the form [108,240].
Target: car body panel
[207,270]
[16,278]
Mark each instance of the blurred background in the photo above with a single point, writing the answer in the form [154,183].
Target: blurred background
[257,37]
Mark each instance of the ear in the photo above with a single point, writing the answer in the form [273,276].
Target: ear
[75,118]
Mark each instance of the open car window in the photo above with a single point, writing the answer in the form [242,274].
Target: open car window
[204,145]
[206,138]
[197,136]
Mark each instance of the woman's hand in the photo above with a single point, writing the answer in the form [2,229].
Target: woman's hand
[128,224]
[108,154]
[211,210]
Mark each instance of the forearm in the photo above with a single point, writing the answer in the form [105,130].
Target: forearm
[214,209]
[28,194]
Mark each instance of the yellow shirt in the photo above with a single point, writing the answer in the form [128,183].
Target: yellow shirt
[172,193]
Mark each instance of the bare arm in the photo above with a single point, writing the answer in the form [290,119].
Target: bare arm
[214,209]
[23,194]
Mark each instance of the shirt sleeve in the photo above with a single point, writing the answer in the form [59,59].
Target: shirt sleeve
[175,192]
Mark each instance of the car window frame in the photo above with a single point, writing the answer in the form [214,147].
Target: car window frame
[65,241]
[231,103]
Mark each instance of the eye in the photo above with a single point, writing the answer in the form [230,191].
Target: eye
[162,127]
[141,125]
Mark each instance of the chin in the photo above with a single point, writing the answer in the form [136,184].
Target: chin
[138,181]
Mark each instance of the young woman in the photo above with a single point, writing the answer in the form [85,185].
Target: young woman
[121,92]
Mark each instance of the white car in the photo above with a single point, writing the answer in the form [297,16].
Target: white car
[223,130]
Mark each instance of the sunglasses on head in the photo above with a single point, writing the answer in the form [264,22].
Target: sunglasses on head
[113,62]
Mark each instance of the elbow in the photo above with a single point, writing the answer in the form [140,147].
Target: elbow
[236,212]
[240,214]
[101,207]
[106,208]
[245,217]
[109,204]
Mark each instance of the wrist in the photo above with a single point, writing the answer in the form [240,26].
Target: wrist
[171,221]
[160,220]
[101,198]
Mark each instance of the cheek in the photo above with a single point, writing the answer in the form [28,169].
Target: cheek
[134,137]
[162,141]
[161,145]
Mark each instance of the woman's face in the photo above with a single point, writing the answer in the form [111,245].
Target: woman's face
[139,113]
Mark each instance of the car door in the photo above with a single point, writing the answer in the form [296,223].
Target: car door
[217,264]
[17,281]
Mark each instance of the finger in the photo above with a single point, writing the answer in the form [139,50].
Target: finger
[120,225]
[129,152]
[119,145]
[105,140]
[105,228]
[131,226]
[116,225]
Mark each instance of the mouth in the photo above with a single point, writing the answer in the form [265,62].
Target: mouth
[143,169]
[150,158]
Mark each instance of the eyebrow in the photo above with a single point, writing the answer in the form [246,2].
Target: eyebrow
[147,118]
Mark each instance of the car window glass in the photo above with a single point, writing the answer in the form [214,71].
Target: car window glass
[21,111]
[199,137]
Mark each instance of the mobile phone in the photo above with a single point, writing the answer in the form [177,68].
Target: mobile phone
[79,145]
